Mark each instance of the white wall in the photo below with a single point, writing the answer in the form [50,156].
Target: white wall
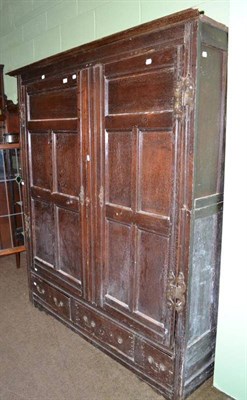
[230,367]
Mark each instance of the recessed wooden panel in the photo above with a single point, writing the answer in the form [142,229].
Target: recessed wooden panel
[144,62]
[41,157]
[67,164]
[209,143]
[204,268]
[156,171]
[43,232]
[53,104]
[118,261]
[130,94]
[69,255]
[151,274]
[119,168]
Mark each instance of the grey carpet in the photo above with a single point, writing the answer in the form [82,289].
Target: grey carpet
[41,359]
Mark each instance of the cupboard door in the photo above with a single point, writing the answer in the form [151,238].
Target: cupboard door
[137,156]
[54,147]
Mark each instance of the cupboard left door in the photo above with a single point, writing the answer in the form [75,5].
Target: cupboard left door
[53,146]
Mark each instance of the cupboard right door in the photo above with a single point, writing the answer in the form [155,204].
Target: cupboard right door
[137,181]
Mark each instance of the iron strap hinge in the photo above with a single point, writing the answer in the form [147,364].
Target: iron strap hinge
[183,95]
[176,291]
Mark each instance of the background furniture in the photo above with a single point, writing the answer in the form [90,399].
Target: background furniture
[11,215]
[124,154]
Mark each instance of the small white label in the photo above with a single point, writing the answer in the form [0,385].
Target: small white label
[88,157]
[148,61]
[74,76]
[42,76]
[65,80]
[204,54]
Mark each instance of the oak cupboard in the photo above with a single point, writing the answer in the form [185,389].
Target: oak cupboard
[123,143]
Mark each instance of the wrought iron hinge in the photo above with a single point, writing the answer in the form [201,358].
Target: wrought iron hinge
[184,95]
[101,196]
[176,291]
[27,225]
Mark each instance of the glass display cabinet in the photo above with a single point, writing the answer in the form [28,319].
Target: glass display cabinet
[11,214]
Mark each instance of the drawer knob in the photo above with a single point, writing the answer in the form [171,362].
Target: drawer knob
[150,360]
[85,318]
[158,367]
[119,340]
[58,303]
[40,290]
[93,324]
[162,367]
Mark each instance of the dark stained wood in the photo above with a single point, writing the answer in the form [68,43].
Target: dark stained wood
[123,144]
[41,161]
[68,232]
[53,105]
[128,94]
[155,183]
[55,299]
[67,164]
[43,232]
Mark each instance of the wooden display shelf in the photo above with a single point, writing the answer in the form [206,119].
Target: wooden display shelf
[6,146]
[14,250]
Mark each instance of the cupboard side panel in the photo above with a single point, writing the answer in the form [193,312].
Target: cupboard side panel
[208,204]
[203,296]
[209,146]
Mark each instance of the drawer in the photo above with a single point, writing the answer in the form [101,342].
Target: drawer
[103,329]
[52,297]
[156,364]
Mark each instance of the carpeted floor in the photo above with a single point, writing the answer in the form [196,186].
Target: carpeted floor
[41,359]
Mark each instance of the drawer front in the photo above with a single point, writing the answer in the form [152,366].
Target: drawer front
[53,297]
[103,329]
[156,364]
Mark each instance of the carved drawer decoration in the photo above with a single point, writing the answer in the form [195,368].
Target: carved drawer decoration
[155,363]
[52,297]
[103,329]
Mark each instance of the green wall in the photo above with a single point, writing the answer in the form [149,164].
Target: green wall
[34,29]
